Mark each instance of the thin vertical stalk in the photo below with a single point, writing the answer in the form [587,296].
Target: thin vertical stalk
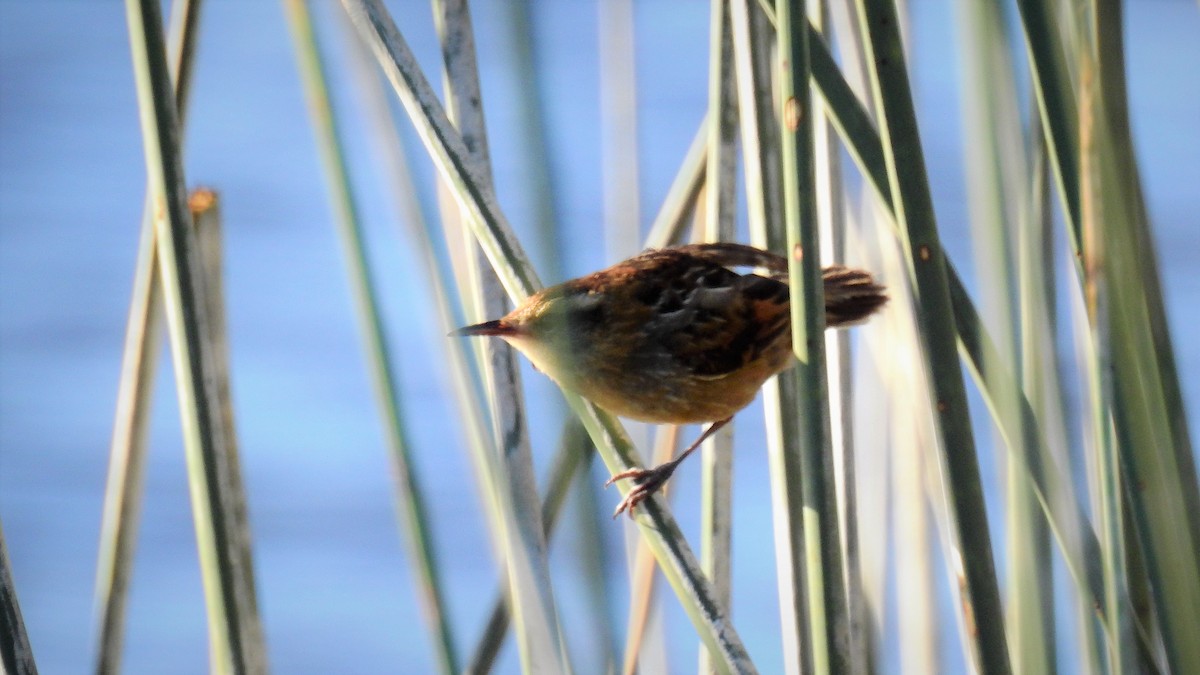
[1064,514]
[644,643]
[1149,649]
[1039,329]
[865,581]
[1096,297]
[915,505]
[536,141]
[641,606]
[409,501]
[417,231]
[641,581]
[531,596]
[455,164]
[16,654]
[716,478]
[543,189]
[234,629]
[1149,422]
[995,171]
[573,452]
[831,216]
[445,144]
[204,207]
[139,362]
[1031,584]
[1067,519]
[127,459]
[763,166]
[765,206]
[1056,104]
[986,642]
[828,620]
[599,578]
[1157,464]
[672,216]
[618,106]
[761,160]
[681,197]
[1112,67]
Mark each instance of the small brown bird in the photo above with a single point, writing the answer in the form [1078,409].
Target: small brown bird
[673,336]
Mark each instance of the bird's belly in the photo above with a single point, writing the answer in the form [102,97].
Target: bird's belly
[674,399]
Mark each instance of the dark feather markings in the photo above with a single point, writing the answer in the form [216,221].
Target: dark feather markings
[851,295]
[710,316]
[755,287]
[710,320]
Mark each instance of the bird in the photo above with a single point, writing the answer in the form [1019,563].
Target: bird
[673,336]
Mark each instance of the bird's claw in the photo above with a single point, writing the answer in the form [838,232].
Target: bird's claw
[635,473]
[648,482]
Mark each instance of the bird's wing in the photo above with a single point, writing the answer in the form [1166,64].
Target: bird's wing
[711,321]
[729,254]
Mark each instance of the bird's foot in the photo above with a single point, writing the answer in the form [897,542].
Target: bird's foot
[648,482]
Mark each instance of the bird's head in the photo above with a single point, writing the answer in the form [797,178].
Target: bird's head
[551,328]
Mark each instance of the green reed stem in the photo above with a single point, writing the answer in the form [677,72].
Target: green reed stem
[410,502]
[16,654]
[716,478]
[828,613]
[139,362]
[903,155]
[222,536]
[539,637]
[460,171]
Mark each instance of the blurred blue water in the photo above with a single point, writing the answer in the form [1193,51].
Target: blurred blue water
[334,585]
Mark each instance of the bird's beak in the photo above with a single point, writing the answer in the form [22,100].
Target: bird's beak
[498,328]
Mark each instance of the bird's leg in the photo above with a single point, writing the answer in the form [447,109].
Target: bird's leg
[650,480]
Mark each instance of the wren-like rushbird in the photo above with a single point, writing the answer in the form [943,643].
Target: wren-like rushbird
[673,336]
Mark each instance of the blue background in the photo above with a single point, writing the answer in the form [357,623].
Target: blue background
[333,580]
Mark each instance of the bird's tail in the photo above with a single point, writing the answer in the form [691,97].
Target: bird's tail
[851,295]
